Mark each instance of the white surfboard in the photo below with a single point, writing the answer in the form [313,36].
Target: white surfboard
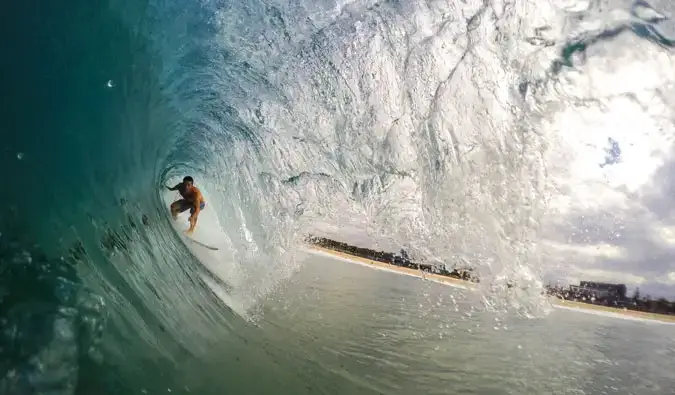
[200,235]
[200,243]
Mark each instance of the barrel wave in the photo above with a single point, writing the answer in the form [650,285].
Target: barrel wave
[430,126]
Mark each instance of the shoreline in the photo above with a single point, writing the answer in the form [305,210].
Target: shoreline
[467,285]
[453,282]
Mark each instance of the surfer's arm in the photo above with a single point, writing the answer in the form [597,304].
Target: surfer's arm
[174,188]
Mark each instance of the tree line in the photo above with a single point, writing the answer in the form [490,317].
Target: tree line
[401,259]
[637,302]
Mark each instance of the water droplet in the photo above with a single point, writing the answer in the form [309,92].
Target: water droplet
[110,84]
[19,155]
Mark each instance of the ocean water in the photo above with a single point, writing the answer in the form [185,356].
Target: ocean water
[338,328]
[425,125]
[413,336]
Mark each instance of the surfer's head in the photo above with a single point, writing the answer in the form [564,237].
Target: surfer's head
[188,181]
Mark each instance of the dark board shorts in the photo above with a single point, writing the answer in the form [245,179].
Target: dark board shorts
[188,205]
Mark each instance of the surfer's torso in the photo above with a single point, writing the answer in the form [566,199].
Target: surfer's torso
[190,194]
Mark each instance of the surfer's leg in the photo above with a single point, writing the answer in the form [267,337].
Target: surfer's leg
[193,223]
[178,207]
[193,219]
[174,210]
[201,207]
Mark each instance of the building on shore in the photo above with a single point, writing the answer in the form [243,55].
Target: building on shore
[605,293]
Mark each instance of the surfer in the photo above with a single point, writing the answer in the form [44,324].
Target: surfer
[192,200]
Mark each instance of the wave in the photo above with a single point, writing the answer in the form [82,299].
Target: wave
[430,126]
[437,128]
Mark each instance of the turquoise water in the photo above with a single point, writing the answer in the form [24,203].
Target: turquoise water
[292,117]
[95,284]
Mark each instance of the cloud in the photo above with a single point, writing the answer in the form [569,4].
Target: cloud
[612,166]
[667,279]
[616,221]
[597,251]
[610,276]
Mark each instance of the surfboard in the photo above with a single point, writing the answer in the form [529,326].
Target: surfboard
[201,244]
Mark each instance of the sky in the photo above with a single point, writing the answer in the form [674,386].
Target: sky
[613,165]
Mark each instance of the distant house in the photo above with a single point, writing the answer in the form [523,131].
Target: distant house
[611,293]
[616,291]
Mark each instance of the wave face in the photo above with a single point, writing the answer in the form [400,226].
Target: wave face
[439,127]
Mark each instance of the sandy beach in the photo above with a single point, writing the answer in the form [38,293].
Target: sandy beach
[457,283]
